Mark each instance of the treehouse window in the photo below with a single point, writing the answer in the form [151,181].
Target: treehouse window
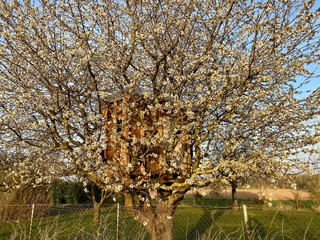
[119,125]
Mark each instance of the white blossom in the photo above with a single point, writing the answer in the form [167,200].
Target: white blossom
[197,92]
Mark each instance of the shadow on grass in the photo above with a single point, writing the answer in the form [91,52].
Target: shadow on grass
[257,227]
[203,225]
[271,228]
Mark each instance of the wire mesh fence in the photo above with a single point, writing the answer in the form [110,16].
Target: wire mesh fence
[189,222]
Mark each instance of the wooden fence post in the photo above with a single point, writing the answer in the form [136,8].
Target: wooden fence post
[31,220]
[246,224]
[118,209]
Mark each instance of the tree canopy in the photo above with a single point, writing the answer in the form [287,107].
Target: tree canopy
[223,71]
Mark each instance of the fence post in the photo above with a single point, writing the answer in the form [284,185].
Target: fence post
[245,215]
[31,220]
[118,209]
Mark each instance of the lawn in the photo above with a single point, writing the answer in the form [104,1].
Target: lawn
[264,224]
[189,223]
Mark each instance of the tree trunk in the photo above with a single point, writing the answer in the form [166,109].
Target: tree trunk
[233,194]
[96,213]
[128,200]
[160,221]
[158,216]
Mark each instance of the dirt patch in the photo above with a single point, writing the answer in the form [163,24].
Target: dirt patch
[274,194]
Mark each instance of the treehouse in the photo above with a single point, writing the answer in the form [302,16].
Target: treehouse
[146,143]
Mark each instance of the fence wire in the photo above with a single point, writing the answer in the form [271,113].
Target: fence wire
[189,222]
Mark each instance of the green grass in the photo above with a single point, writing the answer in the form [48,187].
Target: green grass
[76,225]
[264,224]
[216,202]
[189,223]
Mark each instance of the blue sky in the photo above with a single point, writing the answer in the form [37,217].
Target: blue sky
[313,84]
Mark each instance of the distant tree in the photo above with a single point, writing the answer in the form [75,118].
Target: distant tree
[223,73]
[98,196]
[68,192]
[314,187]
[74,192]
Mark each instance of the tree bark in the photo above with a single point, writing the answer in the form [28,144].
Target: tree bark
[160,221]
[157,217]
[128,200]
[96,213]
[233,194]
[156,214]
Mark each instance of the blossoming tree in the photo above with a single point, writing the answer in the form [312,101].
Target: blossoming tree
[223,72]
